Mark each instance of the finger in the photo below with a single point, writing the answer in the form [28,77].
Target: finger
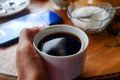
[25,41]
[27,34]
[35,30]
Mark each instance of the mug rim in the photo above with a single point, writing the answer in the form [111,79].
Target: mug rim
[84,46]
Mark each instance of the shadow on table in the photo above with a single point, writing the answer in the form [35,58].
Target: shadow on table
[16,15]
[113,76]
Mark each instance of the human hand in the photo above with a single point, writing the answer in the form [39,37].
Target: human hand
[30,65]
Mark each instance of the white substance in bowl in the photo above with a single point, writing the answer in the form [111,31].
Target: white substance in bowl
[87,19]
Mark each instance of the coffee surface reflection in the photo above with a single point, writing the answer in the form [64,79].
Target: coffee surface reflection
[60,44]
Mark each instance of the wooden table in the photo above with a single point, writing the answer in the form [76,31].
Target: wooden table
[103,53]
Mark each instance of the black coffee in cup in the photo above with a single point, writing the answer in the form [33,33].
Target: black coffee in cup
[60,44]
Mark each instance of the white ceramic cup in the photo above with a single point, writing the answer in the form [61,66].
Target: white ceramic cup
[63,67]
[60,4]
